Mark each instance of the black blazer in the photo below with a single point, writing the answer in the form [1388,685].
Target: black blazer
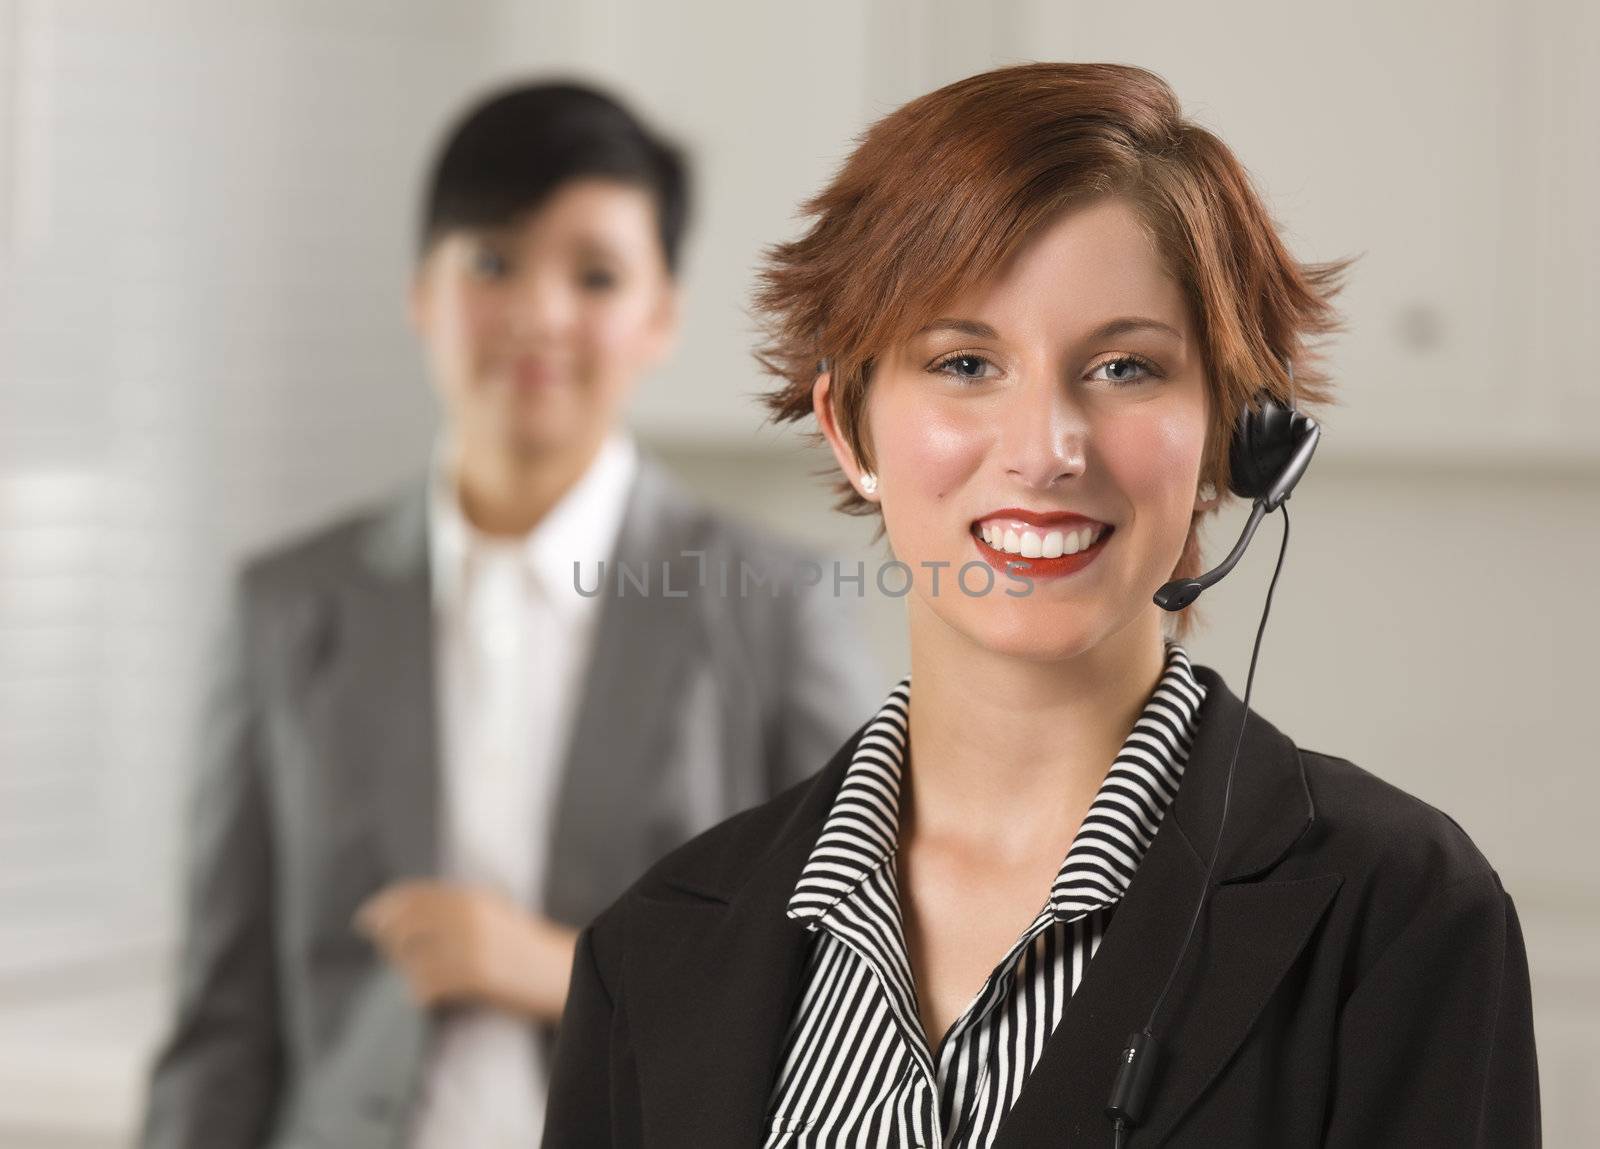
[1358,979]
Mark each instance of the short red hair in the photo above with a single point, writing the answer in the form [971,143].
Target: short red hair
[947,187]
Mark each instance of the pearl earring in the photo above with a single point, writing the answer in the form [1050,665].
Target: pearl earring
[869,483]
[1208,491]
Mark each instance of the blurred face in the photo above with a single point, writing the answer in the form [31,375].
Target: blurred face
[1054,418]
[537,332]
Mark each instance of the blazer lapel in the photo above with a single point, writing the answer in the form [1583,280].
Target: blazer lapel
[386,643]
[1249,936]
[641,643]
[734,962]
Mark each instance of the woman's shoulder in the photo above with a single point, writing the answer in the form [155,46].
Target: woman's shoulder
[1407,869]
[679,511]
[715,864]
[742,560]
[1367,825]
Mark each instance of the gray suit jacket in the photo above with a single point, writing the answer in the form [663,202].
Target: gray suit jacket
[319,782]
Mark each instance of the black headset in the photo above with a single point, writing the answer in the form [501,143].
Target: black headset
[1271,447]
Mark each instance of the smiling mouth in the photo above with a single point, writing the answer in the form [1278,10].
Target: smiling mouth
[1028,552]
[1039,542]
[531,376]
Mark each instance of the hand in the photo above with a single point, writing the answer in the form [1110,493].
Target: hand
[456,943]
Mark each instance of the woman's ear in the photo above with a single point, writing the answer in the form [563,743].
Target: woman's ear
[666,321]
[822,407]
[418,299]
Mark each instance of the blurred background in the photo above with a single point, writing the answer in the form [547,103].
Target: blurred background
[206,222]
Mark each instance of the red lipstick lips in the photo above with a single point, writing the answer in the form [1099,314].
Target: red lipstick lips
[1044,524]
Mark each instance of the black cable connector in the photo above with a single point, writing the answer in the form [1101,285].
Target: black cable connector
[1136,1071]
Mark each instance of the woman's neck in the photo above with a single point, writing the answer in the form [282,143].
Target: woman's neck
[506,493]
[1007,753]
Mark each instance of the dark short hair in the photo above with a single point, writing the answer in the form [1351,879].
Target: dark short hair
[515,147]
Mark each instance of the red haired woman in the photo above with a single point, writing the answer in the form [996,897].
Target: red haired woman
[1029,315]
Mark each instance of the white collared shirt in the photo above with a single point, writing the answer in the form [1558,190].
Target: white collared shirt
[512,641]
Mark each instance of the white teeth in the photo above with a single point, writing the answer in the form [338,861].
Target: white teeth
[1032,544]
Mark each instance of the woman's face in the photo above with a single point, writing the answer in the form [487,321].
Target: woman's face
[537,332]
[1062,407]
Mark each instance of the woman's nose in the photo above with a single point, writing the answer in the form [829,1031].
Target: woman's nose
[1044,433]
[541,306]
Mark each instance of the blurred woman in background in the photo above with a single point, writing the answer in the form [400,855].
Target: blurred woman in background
[1030,316]
[431,756]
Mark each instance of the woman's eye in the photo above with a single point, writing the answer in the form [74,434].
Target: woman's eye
[1127,369]
[964,366]
[487,263]
[597,279]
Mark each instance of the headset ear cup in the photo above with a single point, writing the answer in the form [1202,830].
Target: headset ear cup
[1243,478]
[1263,442]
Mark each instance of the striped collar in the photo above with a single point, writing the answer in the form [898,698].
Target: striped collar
[861,832]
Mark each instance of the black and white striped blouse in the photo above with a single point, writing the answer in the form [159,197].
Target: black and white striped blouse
[856,1068]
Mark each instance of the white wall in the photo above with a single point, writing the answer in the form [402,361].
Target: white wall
[206,210]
